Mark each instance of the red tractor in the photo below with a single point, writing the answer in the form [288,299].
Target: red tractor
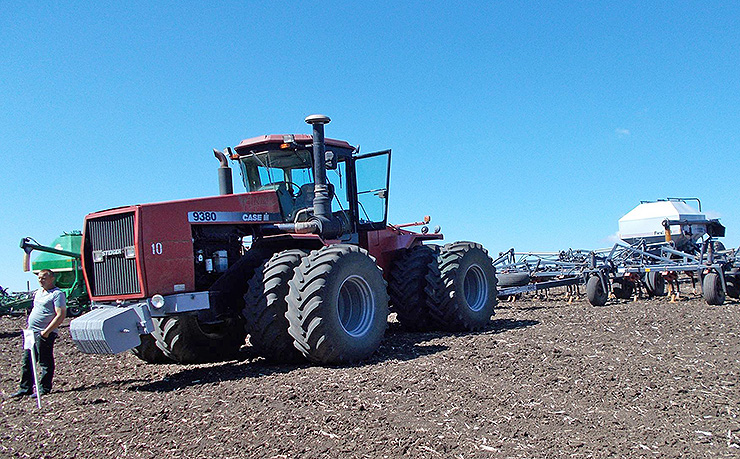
[303,262]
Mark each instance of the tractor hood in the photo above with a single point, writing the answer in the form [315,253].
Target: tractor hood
[132,252]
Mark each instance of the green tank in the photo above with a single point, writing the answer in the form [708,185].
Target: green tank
[63,257]
[66,269]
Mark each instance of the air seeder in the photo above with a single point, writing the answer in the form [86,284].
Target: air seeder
[304,263]
[659,240]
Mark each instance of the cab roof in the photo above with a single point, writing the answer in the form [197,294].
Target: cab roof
[273,142]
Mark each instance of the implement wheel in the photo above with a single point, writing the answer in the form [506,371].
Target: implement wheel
[622,289]
[184,339]
[711,288]
[733,286]
[265,307]
[595,292]
[512,279]
[411,288]
[337,305]
[466,294]
[654,283]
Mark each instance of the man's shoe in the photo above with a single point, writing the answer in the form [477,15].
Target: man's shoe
[20,393]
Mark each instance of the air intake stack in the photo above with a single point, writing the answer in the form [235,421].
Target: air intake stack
[322,196]
[328,227]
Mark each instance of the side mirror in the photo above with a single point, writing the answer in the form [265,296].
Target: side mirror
[331,160]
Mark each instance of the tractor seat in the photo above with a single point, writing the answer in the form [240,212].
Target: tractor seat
[285,197]
[303,200]
[305,197]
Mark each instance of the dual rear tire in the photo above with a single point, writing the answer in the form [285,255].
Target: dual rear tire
[466,294]
[451,288]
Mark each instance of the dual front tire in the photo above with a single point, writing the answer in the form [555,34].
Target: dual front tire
[337,305]
[328,306]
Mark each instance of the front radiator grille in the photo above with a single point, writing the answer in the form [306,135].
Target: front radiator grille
[115,274]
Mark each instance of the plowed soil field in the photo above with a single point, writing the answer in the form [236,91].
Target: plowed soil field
[546,379]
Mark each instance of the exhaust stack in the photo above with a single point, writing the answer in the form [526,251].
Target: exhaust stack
[225,184]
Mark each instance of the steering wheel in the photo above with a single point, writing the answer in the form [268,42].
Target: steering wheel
[290,185]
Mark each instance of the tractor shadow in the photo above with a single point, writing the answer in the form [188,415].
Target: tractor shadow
[398,345]
[252,366]
[248,366]
[403,345]
[503,325]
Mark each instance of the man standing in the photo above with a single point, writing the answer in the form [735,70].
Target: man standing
[49,311]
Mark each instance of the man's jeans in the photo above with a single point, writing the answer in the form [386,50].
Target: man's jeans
[44,349]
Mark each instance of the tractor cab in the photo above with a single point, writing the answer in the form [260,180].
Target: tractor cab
[358,185]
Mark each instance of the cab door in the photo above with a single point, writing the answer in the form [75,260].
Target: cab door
[372,177]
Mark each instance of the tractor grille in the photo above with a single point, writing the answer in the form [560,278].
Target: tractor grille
[106,239]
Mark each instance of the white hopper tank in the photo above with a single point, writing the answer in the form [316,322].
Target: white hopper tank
[646,222]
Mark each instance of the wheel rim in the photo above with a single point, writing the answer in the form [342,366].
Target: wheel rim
[475,288]
[355,304]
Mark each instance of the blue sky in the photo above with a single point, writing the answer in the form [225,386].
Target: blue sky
[533,125]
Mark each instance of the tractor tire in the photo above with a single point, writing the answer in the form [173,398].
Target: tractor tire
[265,308]
[184,339]
[74,311]
[466,294]
[622,289]
[733,286]
[711,288]
[337,305]
[513,279]
[149,352]
[411,289]
[595,292]
[654,284]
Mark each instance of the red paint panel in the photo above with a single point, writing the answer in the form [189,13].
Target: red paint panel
[167,224]
[277,139]
[163,237]
[384,244]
